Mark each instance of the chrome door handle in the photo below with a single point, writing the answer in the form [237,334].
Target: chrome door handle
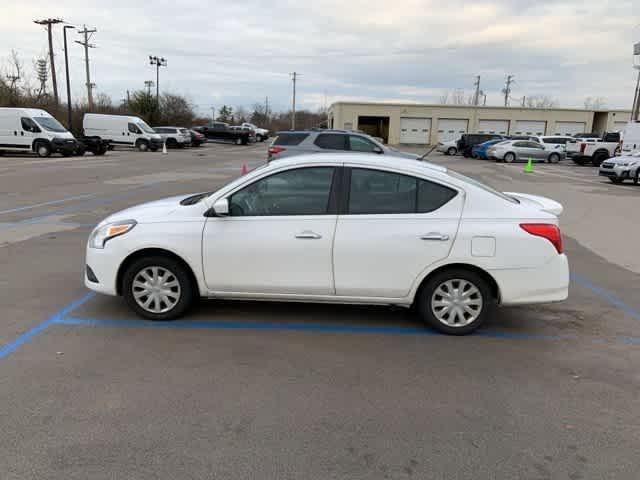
[435,236]
[309,235]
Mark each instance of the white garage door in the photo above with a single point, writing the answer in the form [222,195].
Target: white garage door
[451,129]
[619,126]
[415,130]
[570,128]
[499,127]
[530,127]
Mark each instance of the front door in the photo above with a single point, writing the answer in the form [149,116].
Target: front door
[277,238]
[394,227]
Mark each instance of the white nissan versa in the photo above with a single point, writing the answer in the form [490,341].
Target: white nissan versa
[340,228]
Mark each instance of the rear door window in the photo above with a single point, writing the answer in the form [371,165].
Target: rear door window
[290,138]
[361,144]
[331,141]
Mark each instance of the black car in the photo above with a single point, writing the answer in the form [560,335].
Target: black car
[470,140]
[223,132]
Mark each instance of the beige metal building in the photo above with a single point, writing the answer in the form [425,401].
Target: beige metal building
[428,124]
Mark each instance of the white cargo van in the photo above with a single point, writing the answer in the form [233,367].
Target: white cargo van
[34,130]
[630,138]
[122,130]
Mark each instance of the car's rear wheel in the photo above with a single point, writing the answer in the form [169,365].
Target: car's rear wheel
[554,158]
[158,288]
[509,157]
[455,302]
[452,151]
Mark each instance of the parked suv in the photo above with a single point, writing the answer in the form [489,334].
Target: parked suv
[174,136]
[298,142]
[469,140]
[619,169]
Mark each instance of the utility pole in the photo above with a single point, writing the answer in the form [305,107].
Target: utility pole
[148,84]
[158,62]
[213,115]
[476,97]
[87,36]
[266,109]
[49,22]
[66,70]
[524,97]
[294,77]
[128,98]
[484,102]
[635,111]
[507,89]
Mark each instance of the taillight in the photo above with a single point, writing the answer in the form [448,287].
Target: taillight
[583,147]
[276,150]
[545,230]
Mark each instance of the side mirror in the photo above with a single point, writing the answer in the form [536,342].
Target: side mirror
[377,150]
[221,207]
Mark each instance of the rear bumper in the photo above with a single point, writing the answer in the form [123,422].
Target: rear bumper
[546,284]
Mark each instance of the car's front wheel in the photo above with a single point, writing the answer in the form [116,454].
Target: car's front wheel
[158,288]
[452,151]
[455,302]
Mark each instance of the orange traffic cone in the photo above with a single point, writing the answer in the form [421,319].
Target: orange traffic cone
[244,170]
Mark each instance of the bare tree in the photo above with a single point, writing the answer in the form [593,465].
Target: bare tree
[241,114]
[456,97]
[444,98]
[594,103]
[540,101]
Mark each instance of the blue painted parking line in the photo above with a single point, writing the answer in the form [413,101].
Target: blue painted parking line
[607,296]
[28,335]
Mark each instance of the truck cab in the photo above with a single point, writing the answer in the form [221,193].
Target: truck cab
[594,150]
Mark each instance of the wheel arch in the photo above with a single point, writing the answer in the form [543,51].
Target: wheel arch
[37,141]
[493,285]
[148,252]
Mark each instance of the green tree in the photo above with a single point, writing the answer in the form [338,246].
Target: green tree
[225,114]
[144,105]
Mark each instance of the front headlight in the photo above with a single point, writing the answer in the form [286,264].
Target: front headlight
[106,232]
[624,164]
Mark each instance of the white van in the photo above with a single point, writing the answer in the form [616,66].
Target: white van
[630,138]
[122,130]
[34,130]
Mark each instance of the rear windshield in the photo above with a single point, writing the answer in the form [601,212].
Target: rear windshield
[482,186]
[290,138]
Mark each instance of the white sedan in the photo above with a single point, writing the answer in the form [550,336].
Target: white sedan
[338,228]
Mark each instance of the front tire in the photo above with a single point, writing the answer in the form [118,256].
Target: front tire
[158,288]
[455,301]
[143,146]
[43,149]
[554,158]
[452,151]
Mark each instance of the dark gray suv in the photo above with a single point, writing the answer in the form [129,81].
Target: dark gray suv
[299,142]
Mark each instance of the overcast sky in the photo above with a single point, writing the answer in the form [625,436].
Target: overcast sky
[375,50]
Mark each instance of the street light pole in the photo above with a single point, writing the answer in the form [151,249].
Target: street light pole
[66,68]
[158,62]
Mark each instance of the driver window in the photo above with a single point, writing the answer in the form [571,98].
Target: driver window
[29,125]
[134,129]
[303,191]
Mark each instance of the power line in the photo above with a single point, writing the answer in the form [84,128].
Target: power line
[85,43]
[49,22]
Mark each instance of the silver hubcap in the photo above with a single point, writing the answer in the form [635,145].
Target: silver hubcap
[156,289]
[456,302]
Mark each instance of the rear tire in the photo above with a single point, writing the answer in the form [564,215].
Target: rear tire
[173,279]
[509,157]
[452,151]
[455,301]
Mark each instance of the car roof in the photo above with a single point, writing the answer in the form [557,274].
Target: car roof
[373,160]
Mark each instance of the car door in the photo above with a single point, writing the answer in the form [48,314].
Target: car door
[278,236]
[537,151]
[133,133]
[28,132]
[393,226]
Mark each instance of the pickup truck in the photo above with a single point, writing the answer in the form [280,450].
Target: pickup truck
[261,133]
[593,150]
[223,132]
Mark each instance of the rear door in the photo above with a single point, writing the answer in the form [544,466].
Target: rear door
[331,141]
[391,228]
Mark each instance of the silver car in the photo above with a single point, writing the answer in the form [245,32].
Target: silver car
[174,136]
[523,150]
[298,142]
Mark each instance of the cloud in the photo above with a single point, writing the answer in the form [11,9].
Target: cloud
[403,50]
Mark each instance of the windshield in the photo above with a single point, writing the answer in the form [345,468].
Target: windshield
[50,123]
[144,127]
[481,186]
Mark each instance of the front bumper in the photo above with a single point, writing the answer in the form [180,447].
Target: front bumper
[101,270]
[66,145]
[615,172]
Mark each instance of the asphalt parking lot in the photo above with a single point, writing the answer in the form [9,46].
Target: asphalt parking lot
[257,390]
